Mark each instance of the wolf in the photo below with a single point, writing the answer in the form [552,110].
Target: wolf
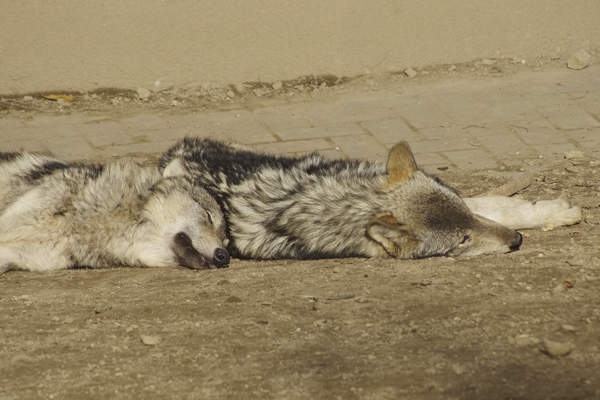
[309,207]
[55,215]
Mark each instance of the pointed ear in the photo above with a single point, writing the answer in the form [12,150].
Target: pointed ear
[175,168]
[395,238]
[401,163]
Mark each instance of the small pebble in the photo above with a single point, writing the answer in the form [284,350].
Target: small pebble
[230,94]
[579,60]
[573,154]
[568,328]
[27,98]
[277,85]
[149,340]
[556,349]
[411,73]
[233,299]
[459,369]
[143,93]
[240,88]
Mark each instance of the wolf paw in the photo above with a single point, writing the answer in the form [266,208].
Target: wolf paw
[558,212]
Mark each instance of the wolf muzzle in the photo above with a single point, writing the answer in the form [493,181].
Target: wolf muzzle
[516,243]
[221,258]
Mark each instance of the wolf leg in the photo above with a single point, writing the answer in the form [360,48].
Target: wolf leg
[29,258]
[519,214]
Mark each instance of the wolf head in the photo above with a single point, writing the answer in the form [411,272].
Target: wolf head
[189,225]
[426,218]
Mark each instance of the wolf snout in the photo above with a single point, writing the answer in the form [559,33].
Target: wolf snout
[516,243]
[221,258]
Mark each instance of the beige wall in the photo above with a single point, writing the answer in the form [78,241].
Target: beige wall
[83,45]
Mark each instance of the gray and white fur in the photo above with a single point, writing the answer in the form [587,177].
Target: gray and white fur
[55,215]
[311,207]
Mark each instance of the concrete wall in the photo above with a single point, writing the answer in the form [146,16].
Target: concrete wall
[84,45]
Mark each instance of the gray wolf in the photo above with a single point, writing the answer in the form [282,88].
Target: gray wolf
[310,207]
[55,215]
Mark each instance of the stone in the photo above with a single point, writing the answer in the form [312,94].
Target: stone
[143,93]
[556,349]
[487,61]
[240,88]
[230,94]
[233,299]
[573,154]
[277,85]
[411,73]
[149,340]
[580,60]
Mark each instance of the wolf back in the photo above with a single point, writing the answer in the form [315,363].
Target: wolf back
[311,207]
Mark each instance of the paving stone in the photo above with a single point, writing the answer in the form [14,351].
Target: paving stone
[170,134]
[425,114]
[296,146]
[541,135]
[73,148]
[431,159]
[588,101]
[322,113]
[239,125]
[361,147]
[105,133]
[435,146]
[321,131]
[391,131]
[552,151]
[23,145]
[471,159]
[144,122]
[582,135]
[7,125]
[489,129]
[442,132]
[280,118]
[330,154]
[569,117]
[506,147]
[150,148]
[370,109]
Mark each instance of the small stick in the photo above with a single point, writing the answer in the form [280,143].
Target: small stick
[511,187]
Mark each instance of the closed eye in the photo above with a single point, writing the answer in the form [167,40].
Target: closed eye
[465,239]
[209,218]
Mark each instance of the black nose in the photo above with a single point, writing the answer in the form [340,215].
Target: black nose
[517,240]
[221,258]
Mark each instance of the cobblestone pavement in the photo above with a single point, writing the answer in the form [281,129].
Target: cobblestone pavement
[471,123]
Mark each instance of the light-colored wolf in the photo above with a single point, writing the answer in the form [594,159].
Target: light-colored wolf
[55,215]
[311,207]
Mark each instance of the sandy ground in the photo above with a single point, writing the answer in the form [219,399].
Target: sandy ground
[442,328]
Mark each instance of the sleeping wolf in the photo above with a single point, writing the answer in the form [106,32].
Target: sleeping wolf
[310,207]
[55,215]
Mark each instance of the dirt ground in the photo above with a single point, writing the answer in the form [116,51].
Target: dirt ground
[440,328]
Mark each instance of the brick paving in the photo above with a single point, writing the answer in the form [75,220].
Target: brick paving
[472,123]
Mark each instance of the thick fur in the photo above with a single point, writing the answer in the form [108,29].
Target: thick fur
[55,215]
[310,207]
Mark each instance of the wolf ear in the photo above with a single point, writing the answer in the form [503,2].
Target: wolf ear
[176,168]
[401,163]
[394,238]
